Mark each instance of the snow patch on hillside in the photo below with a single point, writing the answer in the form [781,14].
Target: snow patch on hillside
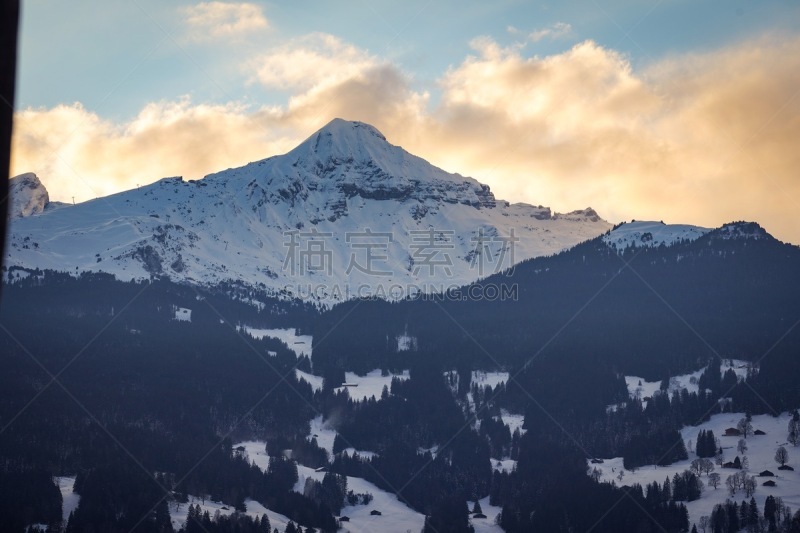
[406,342]
[364,454]
[299,344]
[256,451]
[324,434]
[395,515]
[651,234]
[69,498]
[504,465]
[488,379]
[179,512]
[311,379]
[183,315]
[513,421]
[640,388]
[361,388]
[488,524]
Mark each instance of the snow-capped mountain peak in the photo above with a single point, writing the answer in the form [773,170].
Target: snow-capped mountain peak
[342,140]
[371,214]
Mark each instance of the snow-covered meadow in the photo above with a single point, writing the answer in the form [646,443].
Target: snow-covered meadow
[299,344]
[760,453]
[395,515]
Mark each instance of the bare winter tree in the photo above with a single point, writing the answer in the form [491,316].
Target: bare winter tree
[706,465]
[781,456]
[742,446]
[745,426]
[732,484]
[713,480]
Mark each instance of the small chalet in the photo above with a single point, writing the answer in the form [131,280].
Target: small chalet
[596,461]
[375,512]
[758,432]
[768,483]
[344,519]
[785,467]
[766,473]
[732,432]
[479,515]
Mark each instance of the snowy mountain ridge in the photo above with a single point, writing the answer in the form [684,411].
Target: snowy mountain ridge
[651,234]
[345,214]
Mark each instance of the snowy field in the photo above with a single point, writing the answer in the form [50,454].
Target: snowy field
[362,388]
[406,342]
[513,421]
[359,388]
[69,499]
[488,524]
[183,315]
[299,344]
[324,434]
[638,387]
[760,454]
[492,379]
[311,379]
[178,512]
[395,515]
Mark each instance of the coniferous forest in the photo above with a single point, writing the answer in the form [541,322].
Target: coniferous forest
[101,383]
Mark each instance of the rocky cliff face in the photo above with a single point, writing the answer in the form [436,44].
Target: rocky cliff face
[28,196]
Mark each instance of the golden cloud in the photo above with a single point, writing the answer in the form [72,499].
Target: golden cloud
[703,139]
[311,62]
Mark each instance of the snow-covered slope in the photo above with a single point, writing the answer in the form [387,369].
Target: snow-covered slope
[344,214]
[28,195]
[760,453]
[395,517]
[652,234]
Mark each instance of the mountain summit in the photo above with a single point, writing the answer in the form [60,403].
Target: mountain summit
[344,214]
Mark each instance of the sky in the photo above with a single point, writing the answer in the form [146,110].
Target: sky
[681,111]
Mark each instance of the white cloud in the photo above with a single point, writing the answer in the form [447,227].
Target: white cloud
[555,31]
[223,19]
[316,60]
